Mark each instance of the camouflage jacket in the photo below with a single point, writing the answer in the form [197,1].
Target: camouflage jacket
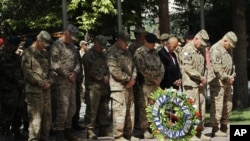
[64,59]
[95,68]
[192,64]
[222,66]
[121,66]
[148,63]
[35,66]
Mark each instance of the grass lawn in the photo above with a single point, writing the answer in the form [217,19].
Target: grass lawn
[237,117]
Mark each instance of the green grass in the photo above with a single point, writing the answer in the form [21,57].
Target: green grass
[237,117]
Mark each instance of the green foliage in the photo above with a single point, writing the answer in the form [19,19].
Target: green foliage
[89,17]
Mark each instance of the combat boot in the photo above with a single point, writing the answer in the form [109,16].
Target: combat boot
[68,136]
[220,133]
[59,135]
[91,134]
[205,138]
[147,135]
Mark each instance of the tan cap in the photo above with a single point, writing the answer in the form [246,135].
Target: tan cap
[202,34]
[73,31]
[231,36]
[164,36]
[83,42]
[45,38]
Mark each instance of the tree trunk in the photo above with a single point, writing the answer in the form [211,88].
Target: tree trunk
[240,96]
[163,17]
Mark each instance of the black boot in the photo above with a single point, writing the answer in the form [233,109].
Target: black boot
[59,135]
[68,136]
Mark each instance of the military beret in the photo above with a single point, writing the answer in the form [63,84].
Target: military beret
[151,38]
[44,37]
[202,34]
[164,37]
[14,40]
[73,31]
[231,36]
[102,40]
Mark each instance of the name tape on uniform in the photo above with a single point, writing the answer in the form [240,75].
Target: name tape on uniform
[238,132]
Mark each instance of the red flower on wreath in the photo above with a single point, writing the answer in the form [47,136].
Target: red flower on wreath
[190,100]
[198,114]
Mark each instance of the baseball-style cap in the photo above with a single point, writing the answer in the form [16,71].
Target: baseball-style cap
[73,31]
[102,40]
[140,29]
[123,35]
[231,36]
[164,37]
[151,38]
[202,34]
[83,42]
[44,37]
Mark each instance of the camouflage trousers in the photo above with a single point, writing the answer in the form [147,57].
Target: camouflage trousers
[66,105]
[139,103]
[97,107]
[221,106]
[39,111]
[123,113]
[147,90]
[198,96]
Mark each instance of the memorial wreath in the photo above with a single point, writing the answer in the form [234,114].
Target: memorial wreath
[172,116]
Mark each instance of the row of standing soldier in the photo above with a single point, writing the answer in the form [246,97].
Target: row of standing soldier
[121,69]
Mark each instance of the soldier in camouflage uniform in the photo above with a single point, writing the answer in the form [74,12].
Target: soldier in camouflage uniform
[35,66]
[122,78]
[139,33]
[10,80]
[65,66]
[97,85]
[149,65]
[221,76]
[193,76]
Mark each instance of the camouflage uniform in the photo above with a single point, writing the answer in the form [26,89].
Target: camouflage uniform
[64,60]
[35,66]
[10,73]
[149,65]
[96,95]
[192,75]
[222,68]
[122,70]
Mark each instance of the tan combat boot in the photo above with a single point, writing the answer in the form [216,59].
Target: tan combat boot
[91,134]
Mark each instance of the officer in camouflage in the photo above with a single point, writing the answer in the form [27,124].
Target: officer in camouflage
[193,71]
[97,86]
[139,34]
[35,66]
[122,78]
[221,76]
[148,63]
[65,66]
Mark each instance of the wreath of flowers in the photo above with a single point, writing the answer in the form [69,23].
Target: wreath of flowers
[172,115]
